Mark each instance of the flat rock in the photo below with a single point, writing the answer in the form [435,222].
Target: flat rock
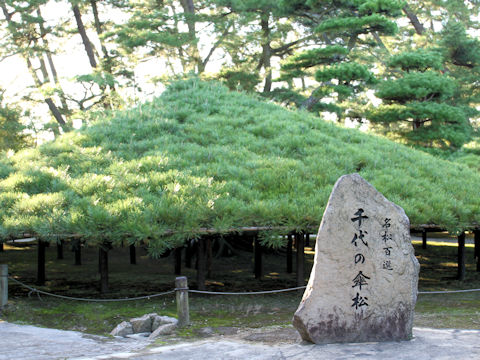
[158,320]
[122,329]
[142,324]
[166,329]
[363,285]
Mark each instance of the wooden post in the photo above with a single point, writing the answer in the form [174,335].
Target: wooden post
[188,255]
[77,248]
[133,254]
[103,264]
[3,285]
[300,245]
[289,254]
[476,234]
[60,250]
[424,239]
[1,247]
[201,263]
[257,258]
[209,257]
[41,262]
[461,256]
[183,313]
[178,260]
[307,239]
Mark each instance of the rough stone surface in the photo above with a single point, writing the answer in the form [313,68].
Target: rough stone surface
[161,320]
[165,329]
[363,285]
[142,324]
[122,329]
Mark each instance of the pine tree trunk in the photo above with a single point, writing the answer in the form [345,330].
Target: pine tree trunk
[266,53]
[83,33]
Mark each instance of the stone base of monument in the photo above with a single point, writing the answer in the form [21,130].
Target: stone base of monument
[363,285]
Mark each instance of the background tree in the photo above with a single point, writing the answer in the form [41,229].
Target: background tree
[419,101]
[12,131]
[346,28]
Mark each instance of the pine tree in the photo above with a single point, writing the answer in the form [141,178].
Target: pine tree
[419,101]
[344,27]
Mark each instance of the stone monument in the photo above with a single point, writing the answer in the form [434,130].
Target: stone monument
[363,285]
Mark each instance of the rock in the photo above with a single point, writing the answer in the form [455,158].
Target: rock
[205,331]
[142,324]
[161,320]
[363,285]
[122,329]
[165,329]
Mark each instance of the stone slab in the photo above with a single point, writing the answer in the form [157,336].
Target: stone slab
[363,285]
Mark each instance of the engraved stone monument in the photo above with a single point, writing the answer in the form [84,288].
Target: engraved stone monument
[363,285]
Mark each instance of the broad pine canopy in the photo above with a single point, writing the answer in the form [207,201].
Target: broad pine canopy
[201,157]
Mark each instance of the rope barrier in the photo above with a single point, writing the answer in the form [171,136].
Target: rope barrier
[247,292]
[38,292]
[447,291]
[33,290]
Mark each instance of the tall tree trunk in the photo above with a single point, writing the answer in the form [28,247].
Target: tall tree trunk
[417,25]
[83,33]
[189,10]
[51,64]
[266,52]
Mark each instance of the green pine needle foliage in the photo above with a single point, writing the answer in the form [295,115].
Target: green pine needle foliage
[201,156]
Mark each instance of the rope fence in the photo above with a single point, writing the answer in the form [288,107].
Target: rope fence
[181,290]
[242,293]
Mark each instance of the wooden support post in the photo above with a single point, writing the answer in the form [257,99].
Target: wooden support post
[188,255]
[424,239]
[41,262]
[461,256]
[201,263]
[476,234]
[183,312]
[1,247]
[77,248]
[257,257]
[209,257]
[3,285]
[133,255]
[178,260]
[300,245]
[307,239]
[289,254]
[103,265]
[60,250]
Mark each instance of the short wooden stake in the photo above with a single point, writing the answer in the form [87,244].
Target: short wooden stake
[181,290]
[461,256]
[307,240]
[424,239]
[178,260]
[476,253]
[300,244]
[41,262]
[201,263]
[133,254]
[60,250]
[78,254]
[289,254]
[188,255]
[103,264]
[1,247]
[3,285]
[258,264]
